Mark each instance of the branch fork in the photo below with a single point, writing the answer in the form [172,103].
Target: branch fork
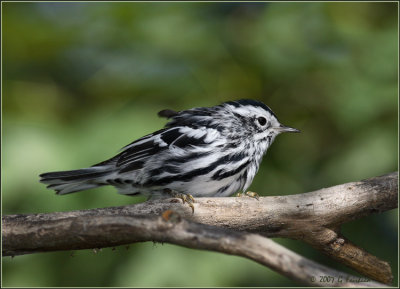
[237,226]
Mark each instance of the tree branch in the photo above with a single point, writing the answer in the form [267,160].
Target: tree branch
[98,231]
[313,217]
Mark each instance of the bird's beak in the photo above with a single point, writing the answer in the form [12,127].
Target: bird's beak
[283,128]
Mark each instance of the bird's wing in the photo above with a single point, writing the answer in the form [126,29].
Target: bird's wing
[135,155]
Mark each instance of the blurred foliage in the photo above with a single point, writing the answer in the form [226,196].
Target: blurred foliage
[81,80]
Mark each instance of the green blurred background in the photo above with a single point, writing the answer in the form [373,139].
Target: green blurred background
[81,80]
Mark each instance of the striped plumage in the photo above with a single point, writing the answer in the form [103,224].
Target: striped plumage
[206,152]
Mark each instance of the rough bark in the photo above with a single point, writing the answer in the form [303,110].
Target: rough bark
[314,218]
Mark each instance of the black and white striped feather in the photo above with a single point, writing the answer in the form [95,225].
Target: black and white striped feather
[206,152]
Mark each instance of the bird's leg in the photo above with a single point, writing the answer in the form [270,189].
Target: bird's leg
[186,198]
[249,194]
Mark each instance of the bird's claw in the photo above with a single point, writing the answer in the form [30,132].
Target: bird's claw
[253,195]
[186,198]
[249,194]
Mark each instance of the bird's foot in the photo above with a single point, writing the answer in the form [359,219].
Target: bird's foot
[186,198]
[249,194]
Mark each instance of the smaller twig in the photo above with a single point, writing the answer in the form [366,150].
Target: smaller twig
[344,251]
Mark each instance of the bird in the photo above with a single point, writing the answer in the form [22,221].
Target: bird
[201,152]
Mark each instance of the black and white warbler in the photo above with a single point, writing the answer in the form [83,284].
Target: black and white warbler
[202,152]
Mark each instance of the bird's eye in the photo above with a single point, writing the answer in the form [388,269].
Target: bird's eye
[261,120]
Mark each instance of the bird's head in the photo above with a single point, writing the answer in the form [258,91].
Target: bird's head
[241,119]
[254,119]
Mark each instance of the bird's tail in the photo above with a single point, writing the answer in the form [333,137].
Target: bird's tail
[66,182]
